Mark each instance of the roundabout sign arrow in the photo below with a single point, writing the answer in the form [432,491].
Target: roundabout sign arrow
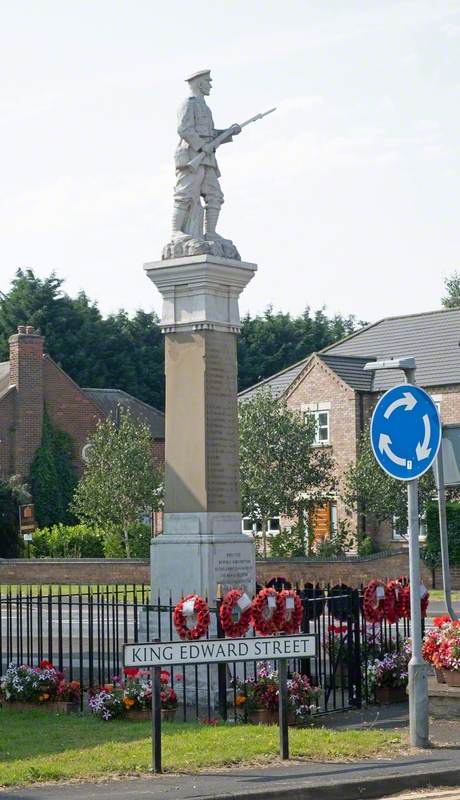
[405,432]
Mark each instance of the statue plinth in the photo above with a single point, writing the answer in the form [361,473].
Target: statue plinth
[202,544]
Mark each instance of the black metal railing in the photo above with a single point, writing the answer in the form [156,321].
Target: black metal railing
[81,629]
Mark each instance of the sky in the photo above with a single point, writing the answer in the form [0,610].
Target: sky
[345,197]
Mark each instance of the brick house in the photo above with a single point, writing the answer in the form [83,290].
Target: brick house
[333,386]
[31,380]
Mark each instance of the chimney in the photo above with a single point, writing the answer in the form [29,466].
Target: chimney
[26,374]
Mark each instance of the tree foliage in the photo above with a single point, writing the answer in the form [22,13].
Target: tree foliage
[367,489]
[282,471]
[53,477]
[9,522]
[273,341]
[452,287]
[121,480]
[433,540]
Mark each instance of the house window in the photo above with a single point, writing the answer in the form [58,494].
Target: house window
[250,527]
[401,535]
[322,426]
[320,412]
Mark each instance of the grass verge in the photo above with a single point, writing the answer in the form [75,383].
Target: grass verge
[37,746]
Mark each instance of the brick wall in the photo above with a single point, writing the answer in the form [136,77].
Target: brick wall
[74,571]
[7,405]
[69,408]
[26,373]
[353,572]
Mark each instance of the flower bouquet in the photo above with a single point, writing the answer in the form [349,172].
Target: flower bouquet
[442,648]
[388,676]
[259,696]
[431,646]
[23,686]
[131,697]
[106,701]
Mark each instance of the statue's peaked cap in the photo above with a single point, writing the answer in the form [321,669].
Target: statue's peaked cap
[197,74]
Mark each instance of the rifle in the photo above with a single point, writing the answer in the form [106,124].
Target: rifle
[196,161]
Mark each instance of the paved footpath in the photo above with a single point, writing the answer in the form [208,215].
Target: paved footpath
[439,766]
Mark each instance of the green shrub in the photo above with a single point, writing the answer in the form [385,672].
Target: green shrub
[287,543]
[432,552]
[139,541]
[366,546]
[68,541]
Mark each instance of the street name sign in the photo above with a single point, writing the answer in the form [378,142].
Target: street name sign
[405,432]
[209,651]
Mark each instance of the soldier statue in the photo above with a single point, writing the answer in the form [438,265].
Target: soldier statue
[197,176]
[194,227]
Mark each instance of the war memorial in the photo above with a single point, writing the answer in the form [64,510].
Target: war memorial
[200,277]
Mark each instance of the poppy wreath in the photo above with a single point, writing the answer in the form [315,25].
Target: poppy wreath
[200,612]
[292,617]
[267,620]
[374,610]
[231,628]
[393,602]
[405,592]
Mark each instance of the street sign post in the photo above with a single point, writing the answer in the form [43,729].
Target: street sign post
[405,432]
[405,437]
[158,654]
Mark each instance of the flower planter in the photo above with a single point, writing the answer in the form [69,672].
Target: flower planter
[385,695]
[439,675]
[266,716]
[167,714]
[452,677]
[52,707]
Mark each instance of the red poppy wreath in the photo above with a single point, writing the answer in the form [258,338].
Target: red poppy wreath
[393,603]
[292,611]
[405,592]
[235,613]
[267,612]
[192,608]
[374,601]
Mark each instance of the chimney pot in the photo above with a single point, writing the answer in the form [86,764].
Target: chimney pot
[21,328]
[29,329]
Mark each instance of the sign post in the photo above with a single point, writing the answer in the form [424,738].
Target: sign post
[405,438]
[218,651]
[156,719]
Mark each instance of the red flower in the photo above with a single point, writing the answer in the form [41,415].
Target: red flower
[131,672]
[440,621]
[45,664]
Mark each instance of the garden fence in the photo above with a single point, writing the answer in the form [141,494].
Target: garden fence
[81,630]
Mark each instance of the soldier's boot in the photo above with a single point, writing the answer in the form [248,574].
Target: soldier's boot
[211,217]
[178,222]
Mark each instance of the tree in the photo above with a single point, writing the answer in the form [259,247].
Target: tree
[282,471]
[452,286]
[120,481]
[368,490]
[9,522]
[274,341]
[53,477]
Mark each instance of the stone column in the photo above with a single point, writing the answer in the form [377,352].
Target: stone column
[202,544]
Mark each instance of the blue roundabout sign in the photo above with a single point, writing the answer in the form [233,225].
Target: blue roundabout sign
[405,432]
